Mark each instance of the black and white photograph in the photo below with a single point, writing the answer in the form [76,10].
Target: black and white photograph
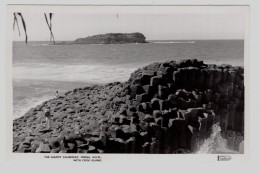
[129,80]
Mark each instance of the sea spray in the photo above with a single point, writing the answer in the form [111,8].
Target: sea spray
[234,140]
[24,105]
[216,143]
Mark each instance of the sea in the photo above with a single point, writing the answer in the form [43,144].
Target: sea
[40,68]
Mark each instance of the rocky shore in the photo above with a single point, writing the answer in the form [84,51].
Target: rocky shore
[163,108]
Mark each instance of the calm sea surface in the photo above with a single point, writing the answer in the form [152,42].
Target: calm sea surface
[40,69]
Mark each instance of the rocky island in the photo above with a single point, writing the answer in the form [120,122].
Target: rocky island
[163,108]
[111,38]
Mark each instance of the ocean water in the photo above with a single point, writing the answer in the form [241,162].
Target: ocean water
[40,69]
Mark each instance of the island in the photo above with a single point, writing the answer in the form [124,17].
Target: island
[110,38]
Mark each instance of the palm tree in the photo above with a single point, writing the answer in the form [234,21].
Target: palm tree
[48,21]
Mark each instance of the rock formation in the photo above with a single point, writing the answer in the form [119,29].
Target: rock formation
[112,38]
[162,108]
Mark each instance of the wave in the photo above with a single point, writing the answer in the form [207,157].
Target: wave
[215,144]
[34,82]
[40,45]
[25,104]
[44,45]
[73,73]
[173,42]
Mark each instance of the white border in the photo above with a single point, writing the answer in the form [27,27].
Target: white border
[171,167]
[244,10]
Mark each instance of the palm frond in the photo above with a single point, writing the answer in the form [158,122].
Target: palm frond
[49,25]
[24,26]
[50,14]
[16,22]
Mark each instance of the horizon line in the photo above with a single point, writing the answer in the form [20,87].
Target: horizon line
[146,40]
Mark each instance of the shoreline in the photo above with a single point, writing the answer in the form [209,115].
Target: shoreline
[101,84]
[106,109]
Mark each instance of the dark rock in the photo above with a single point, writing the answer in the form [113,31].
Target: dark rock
[112,38]
[164,104]
[123,111]
[54,143]
[155,81]
[97,143]
[142,98]
[177,133]
[145,79]
[135,120]
[136,89]
[148,118]
[155,102]
[157,113]
[150,90]
[163,108]
[163,92]
[146,147]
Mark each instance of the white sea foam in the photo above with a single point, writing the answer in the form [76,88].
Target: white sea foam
[26,104]
[73,73]
[215,143]
[46,77]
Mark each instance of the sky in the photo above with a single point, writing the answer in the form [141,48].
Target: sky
[201,26]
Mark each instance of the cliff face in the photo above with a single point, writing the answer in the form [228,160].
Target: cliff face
[162,108]
[112,38]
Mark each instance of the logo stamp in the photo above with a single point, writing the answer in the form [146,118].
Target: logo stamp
[224,158]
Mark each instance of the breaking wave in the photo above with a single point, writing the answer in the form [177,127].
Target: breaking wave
[25,104]
[217,144]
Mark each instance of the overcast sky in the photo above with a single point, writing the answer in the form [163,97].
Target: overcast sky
[153,26]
